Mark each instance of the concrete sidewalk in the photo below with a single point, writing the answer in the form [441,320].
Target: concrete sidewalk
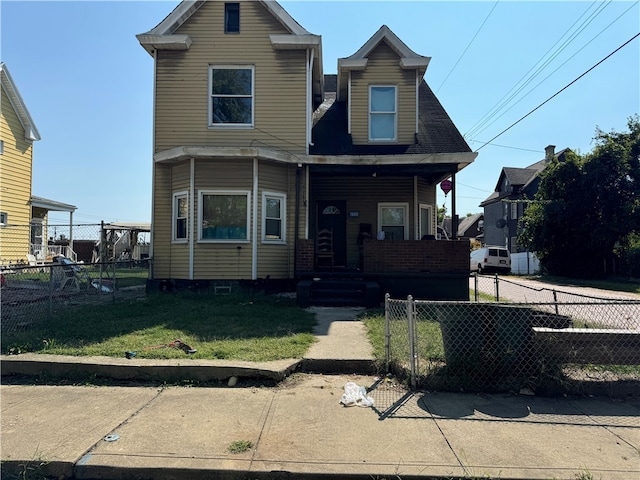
[299,429]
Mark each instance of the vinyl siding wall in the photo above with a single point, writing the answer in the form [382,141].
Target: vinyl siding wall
[182,83]
[383,69]
[363,195]
[218,260]
[15,178]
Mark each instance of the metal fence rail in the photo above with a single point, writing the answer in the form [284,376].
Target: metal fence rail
[46,269]
[498,346]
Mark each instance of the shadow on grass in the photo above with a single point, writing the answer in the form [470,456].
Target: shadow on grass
[253,327]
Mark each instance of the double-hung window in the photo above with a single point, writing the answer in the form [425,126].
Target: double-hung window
[274,207]
[180,217]
[383,113]
[393,220]
[223,216]
[231,95]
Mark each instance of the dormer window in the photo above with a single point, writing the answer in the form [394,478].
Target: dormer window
[383,113]
[231,18]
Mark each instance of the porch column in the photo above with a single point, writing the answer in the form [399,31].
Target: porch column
[454,217]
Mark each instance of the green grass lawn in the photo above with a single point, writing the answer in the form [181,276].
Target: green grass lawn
[251,328]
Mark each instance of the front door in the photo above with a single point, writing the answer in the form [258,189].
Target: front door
[332,215]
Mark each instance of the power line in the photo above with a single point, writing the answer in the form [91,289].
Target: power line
[467,48]
[507,146]
[561,90]
[523,82]
[547,77]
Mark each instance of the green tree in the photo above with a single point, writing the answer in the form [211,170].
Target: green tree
[587,206]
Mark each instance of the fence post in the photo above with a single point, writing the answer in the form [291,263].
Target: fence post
[50,313]
[387,332]
[412,349]
[475,287]
[497,280]
[555,300]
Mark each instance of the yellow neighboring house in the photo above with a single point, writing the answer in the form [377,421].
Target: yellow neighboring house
[23,217]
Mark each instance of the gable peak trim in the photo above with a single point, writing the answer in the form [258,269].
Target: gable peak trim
[31,133]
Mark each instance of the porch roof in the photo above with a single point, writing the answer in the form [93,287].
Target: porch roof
[52,205]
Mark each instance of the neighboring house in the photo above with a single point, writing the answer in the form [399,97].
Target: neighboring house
[503,209]
[471,227]
[23,217]
[256,150]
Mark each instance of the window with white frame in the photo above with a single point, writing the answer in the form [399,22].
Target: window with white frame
[274,207]
[223,216]
[382,113]
[231,95]
[180,217]
[4,218]
[393,220]
[514,211]
[426,220]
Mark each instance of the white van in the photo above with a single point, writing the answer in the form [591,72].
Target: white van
[491,259]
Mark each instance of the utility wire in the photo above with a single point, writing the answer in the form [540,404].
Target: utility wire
[507,146]
[561,90]
[558,68]
[504,101]
[467,48]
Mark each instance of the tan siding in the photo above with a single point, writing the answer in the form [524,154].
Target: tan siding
[277,260]
[15,185]
[182,91]
[383,69]
[363,195]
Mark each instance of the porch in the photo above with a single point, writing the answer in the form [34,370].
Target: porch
[425,269]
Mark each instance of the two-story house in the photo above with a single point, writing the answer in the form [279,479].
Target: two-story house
[257,152]
[23,217]
[503,209]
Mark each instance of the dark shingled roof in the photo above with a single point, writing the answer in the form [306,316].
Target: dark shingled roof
[519,176]
[436,131]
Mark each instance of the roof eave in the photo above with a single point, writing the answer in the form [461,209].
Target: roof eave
[31,133]
[164,42]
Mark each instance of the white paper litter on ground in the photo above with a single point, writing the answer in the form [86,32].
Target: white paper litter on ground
[355,395]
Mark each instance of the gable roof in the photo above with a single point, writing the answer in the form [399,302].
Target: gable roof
[436,131]
[162,35]
[358,61]
[467,222]
[8,85]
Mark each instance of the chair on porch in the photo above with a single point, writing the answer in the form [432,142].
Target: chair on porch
[324,249]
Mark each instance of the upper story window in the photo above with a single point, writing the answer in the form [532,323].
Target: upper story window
[383,113]
[180,217]
[231,101]
[4,219]
[231,18]
[1,147]
[514,211]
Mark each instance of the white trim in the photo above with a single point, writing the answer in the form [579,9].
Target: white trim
[430,230]
[192,211]
[202,193]
[174,216]
[416,219]
[254,223]
[403,205]
[283,218]
[215,126]
[349,104]
[394,112]
[31,133]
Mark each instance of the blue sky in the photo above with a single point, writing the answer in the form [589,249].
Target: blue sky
[88,83]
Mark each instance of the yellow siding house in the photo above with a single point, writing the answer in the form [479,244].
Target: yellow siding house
[23,217]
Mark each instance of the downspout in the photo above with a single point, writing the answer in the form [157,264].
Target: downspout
[310,58]
[306,202]
[71,236]
[192,206]
[416,210]
[254,236]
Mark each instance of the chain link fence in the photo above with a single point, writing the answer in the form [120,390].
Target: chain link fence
[79,265]
[563,345]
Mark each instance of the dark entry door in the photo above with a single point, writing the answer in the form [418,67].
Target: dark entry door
[331,214]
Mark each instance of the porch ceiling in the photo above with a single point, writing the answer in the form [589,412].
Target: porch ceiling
[431,173]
